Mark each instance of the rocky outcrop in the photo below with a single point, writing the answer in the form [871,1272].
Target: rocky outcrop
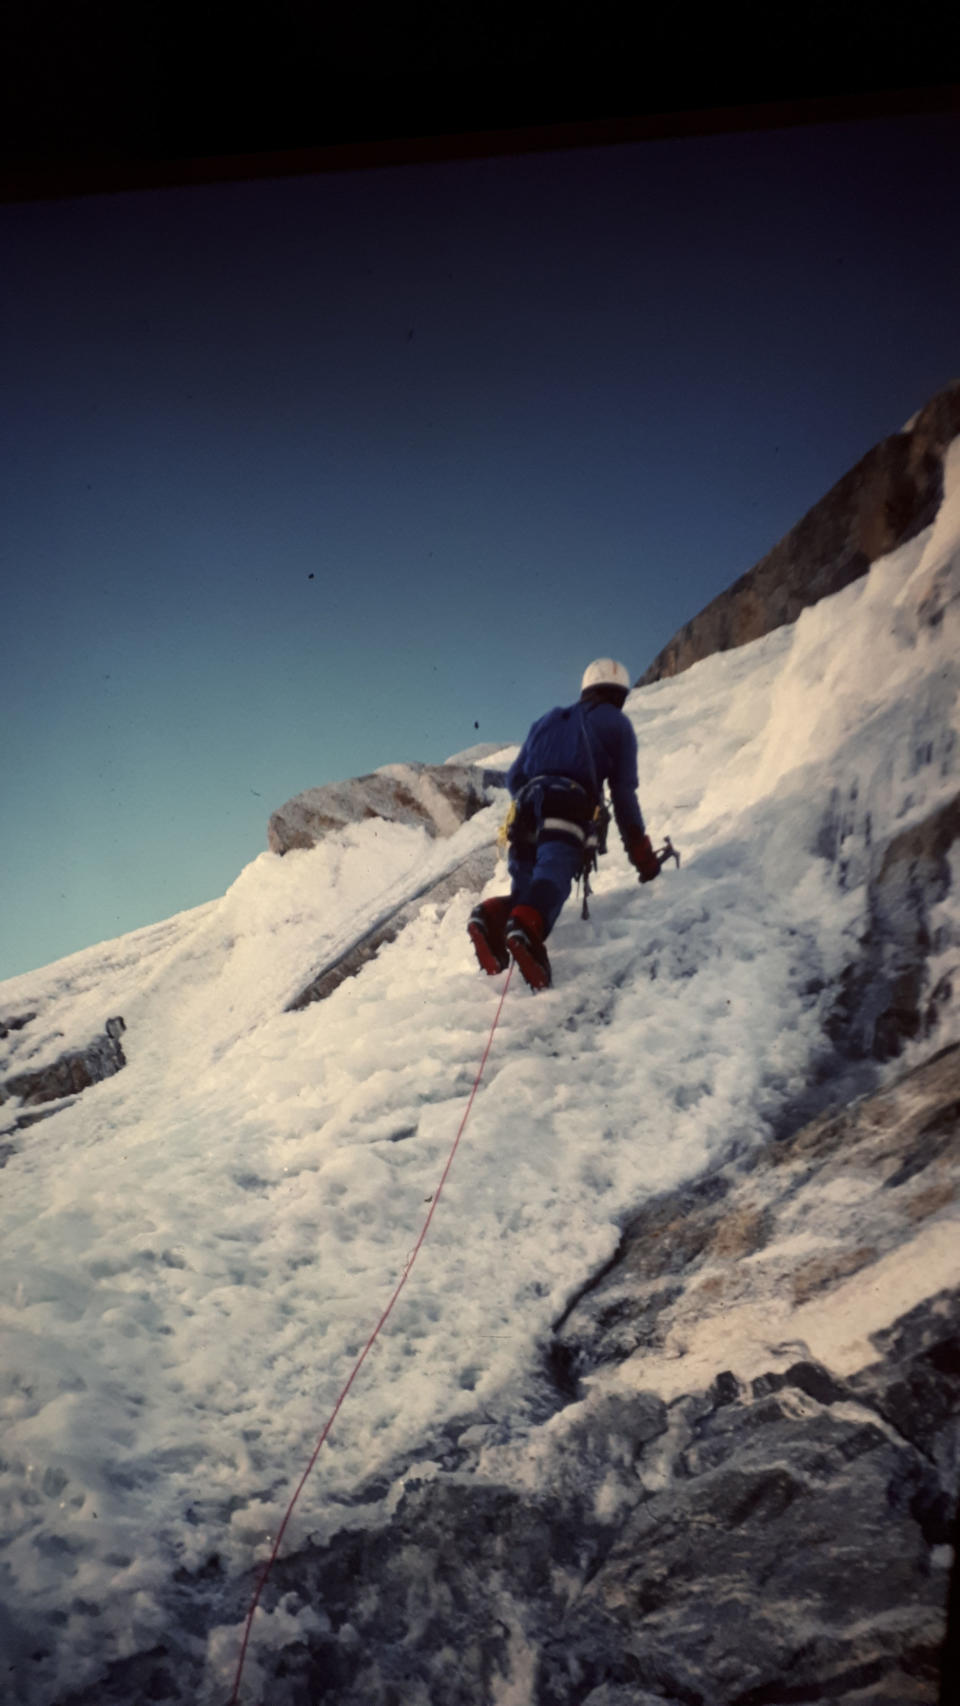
[764,1249]
[15,1022]
[435,797]
[888,996]
[734,1485]
[71,1072]
[789,1547]
[890,495]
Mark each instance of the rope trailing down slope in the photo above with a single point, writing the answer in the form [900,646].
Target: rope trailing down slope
[361,1359]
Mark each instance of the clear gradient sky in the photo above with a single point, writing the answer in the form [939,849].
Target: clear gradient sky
[305,476]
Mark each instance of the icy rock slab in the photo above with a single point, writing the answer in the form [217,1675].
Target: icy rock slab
[435,797]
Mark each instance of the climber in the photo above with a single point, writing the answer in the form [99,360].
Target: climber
[556,783]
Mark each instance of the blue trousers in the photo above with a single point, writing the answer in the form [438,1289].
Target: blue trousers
[543,875]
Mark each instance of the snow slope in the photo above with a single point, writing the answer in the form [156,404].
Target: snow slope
[194,1251]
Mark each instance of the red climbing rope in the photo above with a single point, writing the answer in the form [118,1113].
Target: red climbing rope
[265,1572]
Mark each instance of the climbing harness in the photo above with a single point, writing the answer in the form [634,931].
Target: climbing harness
[555,804]
[361,1359]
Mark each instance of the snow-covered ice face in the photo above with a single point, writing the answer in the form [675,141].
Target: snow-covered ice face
[194,1252]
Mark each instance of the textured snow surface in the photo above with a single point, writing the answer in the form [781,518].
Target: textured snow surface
[194,1252]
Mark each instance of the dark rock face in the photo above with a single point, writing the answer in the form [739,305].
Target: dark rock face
[15,1022]
[745,1546]
[733,1481]
[73,1072]
[887,997]
[688,1258]
[785,1556]
[890,495]
[435,797]
[770,1535]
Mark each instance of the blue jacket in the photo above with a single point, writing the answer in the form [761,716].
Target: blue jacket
[556,746]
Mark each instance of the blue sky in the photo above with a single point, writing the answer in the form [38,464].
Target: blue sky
[305,476]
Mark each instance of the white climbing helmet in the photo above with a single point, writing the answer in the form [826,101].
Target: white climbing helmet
[605,672]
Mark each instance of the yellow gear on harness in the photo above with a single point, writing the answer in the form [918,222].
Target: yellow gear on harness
[503,833]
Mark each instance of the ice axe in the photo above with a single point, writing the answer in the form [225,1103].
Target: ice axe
[661,854]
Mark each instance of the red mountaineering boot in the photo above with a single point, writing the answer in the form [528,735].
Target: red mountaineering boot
[485,929]
[525,942]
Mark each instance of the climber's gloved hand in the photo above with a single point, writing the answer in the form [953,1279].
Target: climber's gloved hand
[643,858]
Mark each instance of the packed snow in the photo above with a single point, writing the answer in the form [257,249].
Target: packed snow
[195,1250]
